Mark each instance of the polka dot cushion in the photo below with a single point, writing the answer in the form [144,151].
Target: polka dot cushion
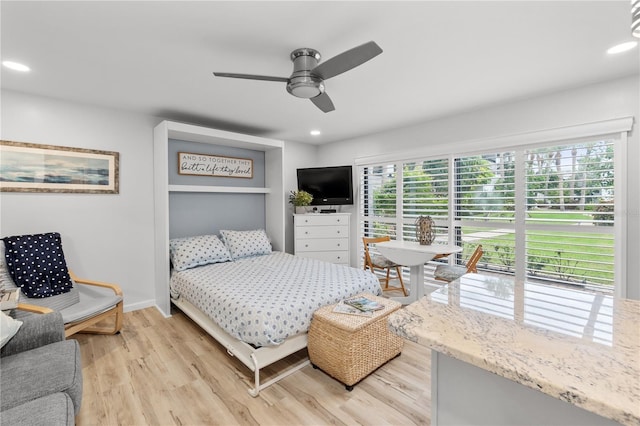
[190,252]
[246,243]
[37,265]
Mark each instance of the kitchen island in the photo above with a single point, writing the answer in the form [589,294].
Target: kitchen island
[506,352]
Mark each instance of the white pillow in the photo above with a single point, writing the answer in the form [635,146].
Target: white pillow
[8,328]
[190,252]
[246,243]
[6,281]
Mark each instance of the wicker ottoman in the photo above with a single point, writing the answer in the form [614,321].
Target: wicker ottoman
[349,347]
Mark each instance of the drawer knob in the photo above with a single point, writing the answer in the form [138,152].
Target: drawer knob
[338,244]
[338,232]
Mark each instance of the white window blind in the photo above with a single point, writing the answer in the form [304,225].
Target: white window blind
[425,192]
[378,200]
[570,213]
[556,201]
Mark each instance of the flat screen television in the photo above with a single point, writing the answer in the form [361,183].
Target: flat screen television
[330,186]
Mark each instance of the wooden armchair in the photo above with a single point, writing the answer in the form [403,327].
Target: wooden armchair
[87,304]
[377,261]
[450,273]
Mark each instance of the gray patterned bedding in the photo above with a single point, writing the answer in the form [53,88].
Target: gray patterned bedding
[263,300]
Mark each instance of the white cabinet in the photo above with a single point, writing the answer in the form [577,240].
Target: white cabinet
[322,236]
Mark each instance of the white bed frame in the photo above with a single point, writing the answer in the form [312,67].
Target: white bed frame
[254,358]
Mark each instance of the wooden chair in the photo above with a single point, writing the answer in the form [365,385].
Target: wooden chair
[96,301]
[377,261]
[450,273]
[87,303]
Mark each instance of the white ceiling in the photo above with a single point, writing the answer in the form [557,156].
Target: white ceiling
[440,57]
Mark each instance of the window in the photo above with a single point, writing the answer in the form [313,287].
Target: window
[425,189]
[570,213]
[485,209]
[378,200]
[543,212]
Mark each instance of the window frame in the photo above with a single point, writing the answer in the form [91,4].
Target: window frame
[617,129]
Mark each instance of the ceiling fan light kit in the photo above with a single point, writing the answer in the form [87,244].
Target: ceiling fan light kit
[302,82]
[307,79]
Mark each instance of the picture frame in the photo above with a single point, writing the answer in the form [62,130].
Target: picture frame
[30,167]
[214,165]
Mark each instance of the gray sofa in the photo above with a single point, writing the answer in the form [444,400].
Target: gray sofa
[41,374]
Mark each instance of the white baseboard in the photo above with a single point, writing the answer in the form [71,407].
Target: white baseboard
[128,307]
[162,313]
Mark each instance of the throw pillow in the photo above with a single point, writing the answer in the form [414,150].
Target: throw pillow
[37,265]
[8,328]
[6,282]
[190,252]
[246,243]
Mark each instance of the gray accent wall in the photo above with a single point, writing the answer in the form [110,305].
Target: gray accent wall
[205,213]
[199,213]
[176,146]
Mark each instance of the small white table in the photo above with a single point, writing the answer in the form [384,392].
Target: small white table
[414,255]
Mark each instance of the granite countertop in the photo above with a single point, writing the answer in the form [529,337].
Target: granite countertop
[577,346]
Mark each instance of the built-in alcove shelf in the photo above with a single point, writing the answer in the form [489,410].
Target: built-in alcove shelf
[213,189]
[166,194]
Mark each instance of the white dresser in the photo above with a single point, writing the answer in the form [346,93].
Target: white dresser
[323,236]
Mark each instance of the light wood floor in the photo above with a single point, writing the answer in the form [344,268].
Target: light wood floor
[162,371]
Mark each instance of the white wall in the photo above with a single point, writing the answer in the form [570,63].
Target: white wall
[614,99]
[106,237]
[296,155]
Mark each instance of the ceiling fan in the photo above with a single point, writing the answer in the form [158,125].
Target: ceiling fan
[307,79]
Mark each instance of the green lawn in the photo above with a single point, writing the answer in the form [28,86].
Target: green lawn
[553,216]
[578,258]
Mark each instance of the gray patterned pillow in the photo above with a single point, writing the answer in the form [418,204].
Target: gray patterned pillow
[190,252]
[246,243]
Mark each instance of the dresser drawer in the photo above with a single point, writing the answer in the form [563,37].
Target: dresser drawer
[323,236]
[321,244]
[321,219]
[327,256]
[331,231]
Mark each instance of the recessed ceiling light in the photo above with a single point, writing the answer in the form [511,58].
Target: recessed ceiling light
[622,47]
[16,66]
[315,133]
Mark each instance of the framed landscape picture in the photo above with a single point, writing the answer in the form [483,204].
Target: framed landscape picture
[29,167]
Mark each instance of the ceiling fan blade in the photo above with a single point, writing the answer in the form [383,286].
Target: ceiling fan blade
[323,101]
[347,60]
[251,76]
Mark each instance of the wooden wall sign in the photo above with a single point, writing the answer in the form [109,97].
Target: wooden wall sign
[214,165]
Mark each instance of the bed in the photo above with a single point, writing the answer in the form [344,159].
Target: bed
[257,303]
